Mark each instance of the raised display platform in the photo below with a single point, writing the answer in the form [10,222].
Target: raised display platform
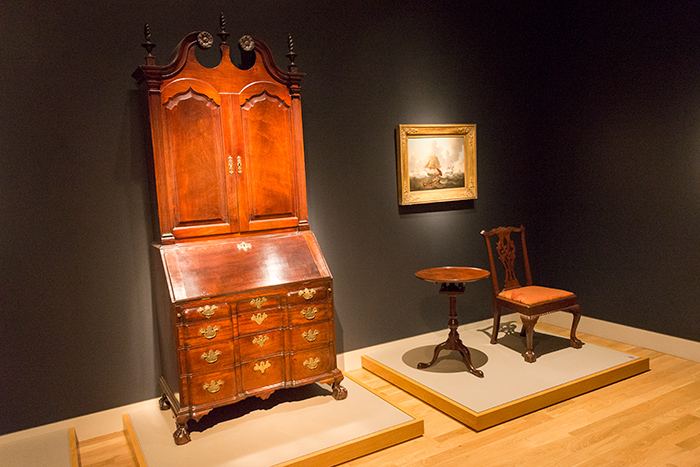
[297,427]
[511,387]
[44,448]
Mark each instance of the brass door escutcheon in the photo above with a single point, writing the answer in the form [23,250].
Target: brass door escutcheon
[262,366]
[259,317]
[308,294]
[312,363]
[212,356]
[239,165]
[213,386]
[309,313]
[310,335]
[260,340]
[230,165]
[207,310]
[209,332]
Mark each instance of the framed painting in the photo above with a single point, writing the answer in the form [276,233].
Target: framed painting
[436,163]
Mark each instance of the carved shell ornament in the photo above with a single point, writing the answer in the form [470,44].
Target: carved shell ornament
[246,43]
[205,40]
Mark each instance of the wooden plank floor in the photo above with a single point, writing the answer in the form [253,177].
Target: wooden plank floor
[652,419]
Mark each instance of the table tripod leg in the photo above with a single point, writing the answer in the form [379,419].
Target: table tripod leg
[438,348]
[466,356]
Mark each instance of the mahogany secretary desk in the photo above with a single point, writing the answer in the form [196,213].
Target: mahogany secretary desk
[247,304]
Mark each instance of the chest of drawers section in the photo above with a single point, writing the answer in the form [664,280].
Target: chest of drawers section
[253,344]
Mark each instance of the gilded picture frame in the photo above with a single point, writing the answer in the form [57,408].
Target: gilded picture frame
[436,163]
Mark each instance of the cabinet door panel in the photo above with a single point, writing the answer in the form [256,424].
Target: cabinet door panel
[269,161]
[198,164]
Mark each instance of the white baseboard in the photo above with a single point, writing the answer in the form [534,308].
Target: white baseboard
[676,346]
[110,421]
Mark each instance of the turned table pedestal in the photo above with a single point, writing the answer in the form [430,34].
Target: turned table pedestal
[452,280]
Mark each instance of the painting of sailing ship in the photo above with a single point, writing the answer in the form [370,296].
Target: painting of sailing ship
[436,163]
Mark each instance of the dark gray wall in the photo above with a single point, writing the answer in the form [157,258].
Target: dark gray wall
[588,132]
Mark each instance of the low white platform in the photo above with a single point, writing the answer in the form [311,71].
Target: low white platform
[510,387]
[303,426]
[54,448]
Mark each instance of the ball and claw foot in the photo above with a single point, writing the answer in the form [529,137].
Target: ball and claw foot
[339,392]
[164,403]
[181,435]
[575,343]
[529,356]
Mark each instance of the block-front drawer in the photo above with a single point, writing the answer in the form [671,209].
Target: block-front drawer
[204,332]
[309,313]
[310,363]
[310,335]
[213,312]
[263,374]
[258,345]
[212,387]
[256,321]
[315,293]
[208,358]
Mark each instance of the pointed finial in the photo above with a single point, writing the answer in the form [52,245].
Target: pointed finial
[222,24]
[291,55]
[148,45]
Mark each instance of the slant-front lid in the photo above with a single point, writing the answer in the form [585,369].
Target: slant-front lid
[221,267]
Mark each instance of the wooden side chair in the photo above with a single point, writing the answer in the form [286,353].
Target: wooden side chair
[531,301]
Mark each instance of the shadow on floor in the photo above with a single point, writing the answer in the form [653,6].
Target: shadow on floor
[542,344]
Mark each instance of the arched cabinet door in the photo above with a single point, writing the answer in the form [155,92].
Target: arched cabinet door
[268,137]
[199,168]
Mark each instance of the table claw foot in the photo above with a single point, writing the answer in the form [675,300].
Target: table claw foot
[575,343]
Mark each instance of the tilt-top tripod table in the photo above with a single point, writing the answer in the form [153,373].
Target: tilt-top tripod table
[453,280]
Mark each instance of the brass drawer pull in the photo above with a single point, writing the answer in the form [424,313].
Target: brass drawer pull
[214,386]
[260,340]
[310,335]
[312,363]
[244,246]
[309,313]
[207,310]
[259,318]
[212,356]
[308,294]
[258,302]
[262,366]
[209,332]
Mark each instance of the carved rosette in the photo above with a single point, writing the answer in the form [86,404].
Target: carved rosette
[246,43]
[205,40]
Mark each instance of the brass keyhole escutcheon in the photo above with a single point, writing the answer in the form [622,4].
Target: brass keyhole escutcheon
[262,366]
[307,294]
[212,356]
[309,313]
[312,363]
[207,310]
[260,340]
[209,332]
[310,335]
[259,317]
[258,302]
[213,386]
